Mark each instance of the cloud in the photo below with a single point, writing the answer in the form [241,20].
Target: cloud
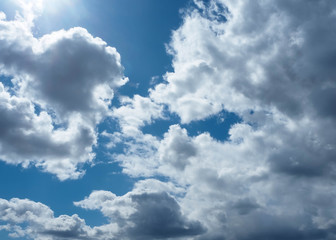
[147,155]
[28,138]
[242,182]
[135,113]
[146,212]
[176,148]
[245,206]
[29,10]
[144,215]
[158,216]
[62,88]
[36,220]
[271,64]
[250,60]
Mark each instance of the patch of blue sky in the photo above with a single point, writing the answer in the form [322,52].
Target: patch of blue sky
[217,126]
[213,10]
[7,7]
[7,82]
[4,234]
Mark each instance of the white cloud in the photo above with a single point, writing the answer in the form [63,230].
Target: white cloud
[36,220]
[251,60]
[30,10]
[63,87]
[141,214]
[67,71]
[276,59]
[135,113]
[273,171]
[176,148]
[273,179]
[28,138]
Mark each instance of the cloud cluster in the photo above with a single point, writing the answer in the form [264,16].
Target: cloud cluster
[147,212]
[35,220]
[61,88]
[265,55]
[140,214]
[270,62]
[253,186]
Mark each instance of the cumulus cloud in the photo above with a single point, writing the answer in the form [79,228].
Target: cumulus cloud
[271,63]
[151,214]
[27,218]
[248,59]
[30,138]
[239,184]
[149,211]
[147,155]
[135,113]
[62,88]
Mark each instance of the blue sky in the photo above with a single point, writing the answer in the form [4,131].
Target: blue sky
[170,119]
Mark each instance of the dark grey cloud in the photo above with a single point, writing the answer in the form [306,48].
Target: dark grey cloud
[288,234]
[146,212]
[323,101]
[272,227]
[245,206]
[158,216]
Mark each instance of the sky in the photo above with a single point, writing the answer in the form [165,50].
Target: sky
[170,119]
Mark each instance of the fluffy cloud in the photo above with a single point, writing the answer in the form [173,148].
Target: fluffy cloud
[271,63]
[240,184]
[30,138]
[143,214]
[147,155]
[29,219]
[251,55]
[147,212]
[35,220]
[135,113]
[62,87]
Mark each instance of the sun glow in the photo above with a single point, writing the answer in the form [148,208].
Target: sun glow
[38,7]
[56,6]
